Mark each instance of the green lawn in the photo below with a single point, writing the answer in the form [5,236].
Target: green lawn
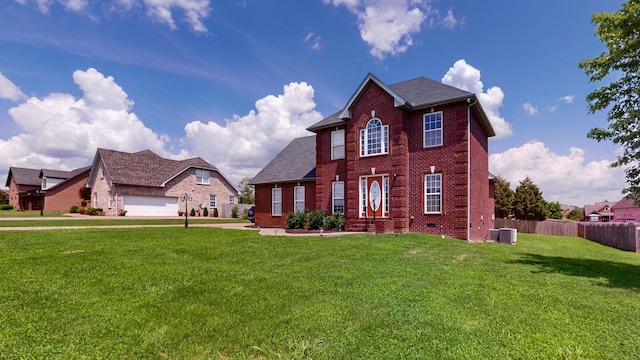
[28,214]
[210,293]
[102,221]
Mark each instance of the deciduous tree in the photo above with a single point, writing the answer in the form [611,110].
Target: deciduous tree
[246,191]
[620,33]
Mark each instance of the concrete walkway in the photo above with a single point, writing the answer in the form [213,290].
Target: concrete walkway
[234,226]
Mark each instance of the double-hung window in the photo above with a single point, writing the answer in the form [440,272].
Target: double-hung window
[337,144]
[232,199]
[212,201]
[432,126]
[374,138]
[298,198]
[276,202]
[337,200]
[433,193]
[202,177]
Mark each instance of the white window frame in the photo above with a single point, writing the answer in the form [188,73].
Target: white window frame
[203,177]
[232,199]
[337,144]
[433,191]
[298,198]
[432,136]
[276,202]
[337,195]
[367,140]
[213,200]
[109,200]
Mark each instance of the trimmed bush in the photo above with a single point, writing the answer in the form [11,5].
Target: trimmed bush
[316,220]
[6,207]
[193,212]
[215,212]
[334,221]
[74,209]
[205,212]
[296,220]
[234,212]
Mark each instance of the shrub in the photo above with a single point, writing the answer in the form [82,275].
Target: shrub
[296,220]
[82,210]
[316,220]
[245,214]
[334,221]
[215,212]
[74,209]
[193,212]
[180,213]
[205,212]
[6,207]
[122,212]
[234,212]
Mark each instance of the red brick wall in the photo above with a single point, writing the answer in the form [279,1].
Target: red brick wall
[64,195]
[263,203]
[482,198]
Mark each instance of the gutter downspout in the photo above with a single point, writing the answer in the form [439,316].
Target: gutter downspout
[469,166]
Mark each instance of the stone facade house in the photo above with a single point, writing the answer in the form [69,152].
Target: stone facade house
[45,189]
[412,156]
[145,184]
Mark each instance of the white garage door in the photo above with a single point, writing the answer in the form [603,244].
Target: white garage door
[150,206]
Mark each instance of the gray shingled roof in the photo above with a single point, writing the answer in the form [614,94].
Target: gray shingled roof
[412,94]
[60,174]
[296,162]
[24,176]
[145,168]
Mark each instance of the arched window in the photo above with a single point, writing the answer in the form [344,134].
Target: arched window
[374,138]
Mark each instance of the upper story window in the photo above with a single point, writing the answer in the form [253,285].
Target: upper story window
[374,138]
[432,125]
[337,144]
[202,177]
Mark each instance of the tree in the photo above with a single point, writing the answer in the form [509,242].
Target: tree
[620,33]
[554,209]
[576,214]
[529,204]
[4,199]
[246,191]
[504,197]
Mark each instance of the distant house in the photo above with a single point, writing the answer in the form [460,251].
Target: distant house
[412,156]
[45,189]
[625,210]
[599,212]
[145,184]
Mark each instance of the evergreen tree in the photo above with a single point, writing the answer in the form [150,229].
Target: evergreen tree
[247,195]
[555,210]
[504,197]
[529,204]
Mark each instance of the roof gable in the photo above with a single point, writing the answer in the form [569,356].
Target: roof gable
[24,176]
[296,162]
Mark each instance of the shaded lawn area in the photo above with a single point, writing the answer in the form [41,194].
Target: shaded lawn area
[229,294]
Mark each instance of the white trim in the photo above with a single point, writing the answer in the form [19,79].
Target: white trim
[274,201]
[384,139]
[437,176]
[424,131]
[334,198]
[335,145]
[398,101]
[296,199]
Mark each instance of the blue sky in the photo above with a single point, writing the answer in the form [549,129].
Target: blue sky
[235,81]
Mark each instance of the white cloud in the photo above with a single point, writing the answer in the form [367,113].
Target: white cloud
[194,11]
[246,143]
[313,40]
[61,132]
[387,25]
[9,91]
[564,178]
[529,109]
[466,77]
[567,99]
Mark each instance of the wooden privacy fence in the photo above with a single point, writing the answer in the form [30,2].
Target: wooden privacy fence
[547,227]
[624,236]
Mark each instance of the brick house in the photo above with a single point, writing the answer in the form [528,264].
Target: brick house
[45,189]
[599,212]
[406,157]
[626,210]
[145,184]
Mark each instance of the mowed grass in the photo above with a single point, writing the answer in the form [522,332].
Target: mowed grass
[110,221]
[29,214]
[207,293]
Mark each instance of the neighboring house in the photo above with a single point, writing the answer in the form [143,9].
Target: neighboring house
[566,209]
[146,184]
[625,210]
[45,189]
[599,212]
[406,157]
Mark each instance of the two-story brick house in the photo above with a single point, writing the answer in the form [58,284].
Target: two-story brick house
[406,157]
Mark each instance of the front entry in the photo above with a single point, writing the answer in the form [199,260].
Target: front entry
[374,196]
